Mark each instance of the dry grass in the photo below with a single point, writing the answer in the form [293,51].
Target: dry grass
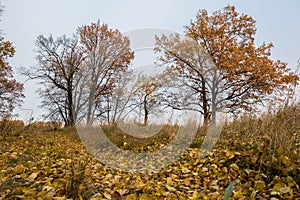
[278,131]
[268,146]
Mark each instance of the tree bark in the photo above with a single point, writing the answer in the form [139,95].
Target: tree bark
[71,121]
[206,113]
[146,113]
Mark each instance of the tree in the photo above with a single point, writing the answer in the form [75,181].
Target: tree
[219,67]
[120,101]
[59,61]
[11,91]
[54,101]
[77,72]
[108,55]
[147,95]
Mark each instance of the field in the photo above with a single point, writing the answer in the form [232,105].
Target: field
[260,156]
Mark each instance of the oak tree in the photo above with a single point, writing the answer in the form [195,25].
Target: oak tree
[108,55]
[78,72]
[219,66]
[58,63]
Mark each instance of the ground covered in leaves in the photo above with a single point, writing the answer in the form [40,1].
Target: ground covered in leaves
[56,165]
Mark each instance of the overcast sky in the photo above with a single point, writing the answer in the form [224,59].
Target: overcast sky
[23,20]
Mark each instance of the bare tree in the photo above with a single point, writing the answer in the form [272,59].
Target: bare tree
[59,61]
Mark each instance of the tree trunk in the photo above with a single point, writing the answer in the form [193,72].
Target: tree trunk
[89,120]
[213,118]
[214,94]
[206,113]
[71,121]
[145,112]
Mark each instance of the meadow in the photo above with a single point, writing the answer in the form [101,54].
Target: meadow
[258,156]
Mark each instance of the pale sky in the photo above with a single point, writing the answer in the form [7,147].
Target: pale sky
[23,20]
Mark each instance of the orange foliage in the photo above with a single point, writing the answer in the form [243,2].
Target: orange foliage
[10,89]
[239,75]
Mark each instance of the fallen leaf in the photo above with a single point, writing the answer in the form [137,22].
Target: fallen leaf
[171,189]
[32,176]
[19,169]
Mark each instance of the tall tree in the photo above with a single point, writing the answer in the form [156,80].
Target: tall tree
[11,91]
[59,61]
[219,65]
[76,73]
[108,55]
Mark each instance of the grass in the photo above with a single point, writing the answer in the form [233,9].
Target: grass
[261,156]
[131,143]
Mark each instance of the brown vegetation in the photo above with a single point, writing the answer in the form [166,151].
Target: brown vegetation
[260,154]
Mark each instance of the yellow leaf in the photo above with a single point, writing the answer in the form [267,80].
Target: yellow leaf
[25,190]
[237,195]
[187,180]
[24,175]
[141,184]
[280,150]
[106,195]
[195,195]
[169,180]
[234,166]
[259,185]
[32,176]
[185,170]
[284,190]
[290,181]
[81,186]
[277,186]
[228,154]
[19,169]
[251,141]
[171,189]
[285,160]
[47,188]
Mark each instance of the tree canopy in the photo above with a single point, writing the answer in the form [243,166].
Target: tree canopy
[219,66]
[77,72]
